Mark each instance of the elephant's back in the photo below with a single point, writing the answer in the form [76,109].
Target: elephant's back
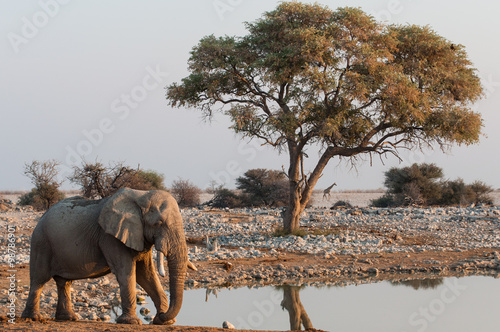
[71,216]
[70,230]
[73,207]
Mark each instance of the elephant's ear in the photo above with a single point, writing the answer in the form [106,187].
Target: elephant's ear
[122,218]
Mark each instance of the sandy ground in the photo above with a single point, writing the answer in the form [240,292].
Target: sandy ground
[353,268]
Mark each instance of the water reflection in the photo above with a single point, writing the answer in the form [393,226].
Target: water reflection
[210,291]
[451,304]
[291,303]
[298,315]
[429,283]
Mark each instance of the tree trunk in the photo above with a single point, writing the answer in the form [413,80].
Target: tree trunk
[298,315]
[301,189]
[292,214]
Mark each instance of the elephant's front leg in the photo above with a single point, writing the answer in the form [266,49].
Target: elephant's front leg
[127,282]
[148,279]
[122,265]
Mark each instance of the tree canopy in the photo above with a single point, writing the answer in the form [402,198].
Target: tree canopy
[305,74]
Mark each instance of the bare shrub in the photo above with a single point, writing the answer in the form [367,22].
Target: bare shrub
[46,192]
[186,194]
[99,181]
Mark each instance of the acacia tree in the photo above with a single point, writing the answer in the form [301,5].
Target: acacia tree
[305,74]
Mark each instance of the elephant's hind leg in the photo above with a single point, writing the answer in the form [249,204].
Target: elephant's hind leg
[38,278]
[64,309]
[32,309]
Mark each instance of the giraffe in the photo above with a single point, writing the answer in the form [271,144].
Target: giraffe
[326,192]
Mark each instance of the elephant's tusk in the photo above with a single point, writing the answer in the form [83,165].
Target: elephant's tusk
[191,266]
[159,263]
[161,267]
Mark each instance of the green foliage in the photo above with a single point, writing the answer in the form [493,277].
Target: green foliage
[264,187]
[481,193]
[259,187]
[383,202]
[339,76]
[424,185]
[225,198]
[186,194]
[417,184]
[458,193]
[152,180]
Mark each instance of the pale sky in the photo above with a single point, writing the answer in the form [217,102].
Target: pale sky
[87,78]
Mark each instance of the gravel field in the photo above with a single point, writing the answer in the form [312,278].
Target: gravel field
[341,246]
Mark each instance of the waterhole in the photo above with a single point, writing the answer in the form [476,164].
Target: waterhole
[451,304]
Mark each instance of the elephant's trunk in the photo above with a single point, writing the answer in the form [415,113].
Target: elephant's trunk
[177,264]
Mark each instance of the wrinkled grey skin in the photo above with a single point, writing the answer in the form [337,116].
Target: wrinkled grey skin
[79,238]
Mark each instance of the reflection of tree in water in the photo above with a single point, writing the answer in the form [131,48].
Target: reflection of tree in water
[291,302]
[429,283]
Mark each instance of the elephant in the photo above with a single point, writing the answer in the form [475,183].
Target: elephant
[79,238]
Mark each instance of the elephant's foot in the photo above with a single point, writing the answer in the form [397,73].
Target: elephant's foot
[158,321]
[33,315]
[128,319]
[67,316]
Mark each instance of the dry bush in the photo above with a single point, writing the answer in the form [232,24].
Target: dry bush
[46,192]
[99,181]
[186,194]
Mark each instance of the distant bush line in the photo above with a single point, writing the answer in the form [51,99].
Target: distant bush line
[419,184]
[424,184]
[256,188]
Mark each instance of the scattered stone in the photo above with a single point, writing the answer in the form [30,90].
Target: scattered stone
[227,325]
[227,266]
[93,316]
[105,318]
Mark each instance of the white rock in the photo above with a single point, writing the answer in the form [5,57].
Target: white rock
[227,325]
